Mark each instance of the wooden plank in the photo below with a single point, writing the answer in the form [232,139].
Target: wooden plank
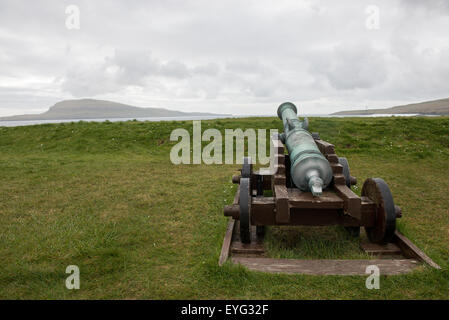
[247,249]
[351,200]
[226,243]
[326,267]
[239,248]
[282,204]
[325,147]
[328,200]
[280,193]
[263,205]
[278,180]
[321,217]
[380,249]
[339,179]
[332,158]
[412,251]
[263,211]
[263,201]
[336,168]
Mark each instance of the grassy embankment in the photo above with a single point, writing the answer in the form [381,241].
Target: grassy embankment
[105,197]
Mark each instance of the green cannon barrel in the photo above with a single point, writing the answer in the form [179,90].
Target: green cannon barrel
[310,170]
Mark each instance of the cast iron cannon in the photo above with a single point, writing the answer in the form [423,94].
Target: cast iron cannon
[311,186]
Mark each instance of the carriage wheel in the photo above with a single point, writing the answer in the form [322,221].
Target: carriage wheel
[344,162]
[245,210]
[245,201]
[377,191]
[247,167]
[353,231]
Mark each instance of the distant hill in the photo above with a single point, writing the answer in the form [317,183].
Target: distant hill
[435,107]
[100,109]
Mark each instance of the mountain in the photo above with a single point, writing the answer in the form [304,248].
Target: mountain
[435,107]
[100,109]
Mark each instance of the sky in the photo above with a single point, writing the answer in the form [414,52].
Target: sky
[239,57]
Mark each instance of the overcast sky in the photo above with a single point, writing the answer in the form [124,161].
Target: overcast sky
[240,57]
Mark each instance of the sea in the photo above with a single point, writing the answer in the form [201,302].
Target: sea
[187,118]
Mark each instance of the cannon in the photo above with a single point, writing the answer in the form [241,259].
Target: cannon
[310,170]
[310,186]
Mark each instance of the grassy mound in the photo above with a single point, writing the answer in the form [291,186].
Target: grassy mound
[105,197]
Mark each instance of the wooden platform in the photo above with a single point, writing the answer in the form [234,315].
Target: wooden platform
[399,257]
[328,200]
[254,248]
[389,249]
[326,267]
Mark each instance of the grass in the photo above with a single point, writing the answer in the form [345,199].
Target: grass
[105,197]
[313,243]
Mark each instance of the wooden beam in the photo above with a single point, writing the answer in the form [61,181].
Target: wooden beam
[326,267]
[351,200]
[263,211]
[282,205]
[336,168]
[332,158]
[412,251]
[339,179]
[321,217]
[226,242]
[256,246]
[376,249]
[278,180]
[328,200]
[325,147]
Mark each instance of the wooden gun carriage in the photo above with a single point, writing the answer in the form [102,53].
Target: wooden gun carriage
[270,198]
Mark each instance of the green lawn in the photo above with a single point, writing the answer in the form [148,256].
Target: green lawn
[105,197]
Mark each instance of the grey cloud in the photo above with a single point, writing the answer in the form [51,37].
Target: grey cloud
[211,69]
[127,68]
[351,66]
[228,54]
[174,69]
[248,67]
[89,81]
[133,66]
[432,5]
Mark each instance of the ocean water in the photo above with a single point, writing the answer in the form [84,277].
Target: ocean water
[185,118]
[152,119]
